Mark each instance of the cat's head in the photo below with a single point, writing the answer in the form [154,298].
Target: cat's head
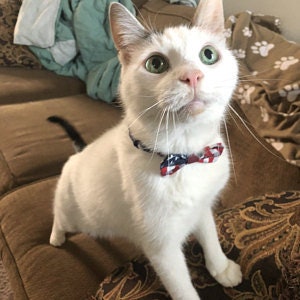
[186,71]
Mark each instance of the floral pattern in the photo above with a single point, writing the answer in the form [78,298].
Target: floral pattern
[262,235]
[13,55]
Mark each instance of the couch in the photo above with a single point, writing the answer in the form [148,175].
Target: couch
[257,215]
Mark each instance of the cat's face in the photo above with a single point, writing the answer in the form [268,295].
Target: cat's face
[187,72]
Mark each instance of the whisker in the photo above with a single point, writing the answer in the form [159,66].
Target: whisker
[158,130]
[167,129]
[234,120]
[146,23]
[173,119]
[252,134]
[265,79]
[230,152]
[144,112]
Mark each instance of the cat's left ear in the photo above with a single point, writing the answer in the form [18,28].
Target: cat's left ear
[210,15]
[126,29]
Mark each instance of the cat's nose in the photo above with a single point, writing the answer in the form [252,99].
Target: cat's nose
[191,78]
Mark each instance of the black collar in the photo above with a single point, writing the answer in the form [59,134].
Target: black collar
[139,145]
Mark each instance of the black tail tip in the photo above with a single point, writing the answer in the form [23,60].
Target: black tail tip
[54,119]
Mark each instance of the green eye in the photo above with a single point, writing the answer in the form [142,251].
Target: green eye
[156,64]
[209,55]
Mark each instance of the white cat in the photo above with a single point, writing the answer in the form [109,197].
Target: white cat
[175,87]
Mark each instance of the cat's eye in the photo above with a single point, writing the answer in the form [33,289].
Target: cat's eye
[156,64]
[209,55]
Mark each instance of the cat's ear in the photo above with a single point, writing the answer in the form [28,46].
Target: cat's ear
[126,30]
[210,15]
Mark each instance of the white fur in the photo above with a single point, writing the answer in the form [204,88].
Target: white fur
[114,189]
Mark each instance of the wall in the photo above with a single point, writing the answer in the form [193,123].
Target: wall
[287,10]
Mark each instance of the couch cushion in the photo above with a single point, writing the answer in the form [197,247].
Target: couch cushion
[10,54]
[262,235]
[32,148]
[39,271]
[159,14]
[21,85]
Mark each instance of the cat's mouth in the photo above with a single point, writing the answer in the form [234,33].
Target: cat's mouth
[194,107]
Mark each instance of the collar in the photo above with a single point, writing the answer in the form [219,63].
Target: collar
[173,162]
[138,144]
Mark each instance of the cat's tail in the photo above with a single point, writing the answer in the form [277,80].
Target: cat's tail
[79,143]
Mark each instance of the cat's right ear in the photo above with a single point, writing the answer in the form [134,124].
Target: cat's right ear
[126,30]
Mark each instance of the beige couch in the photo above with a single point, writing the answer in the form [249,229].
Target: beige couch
[32,152]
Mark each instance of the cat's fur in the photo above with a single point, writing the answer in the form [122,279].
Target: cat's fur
[112,188]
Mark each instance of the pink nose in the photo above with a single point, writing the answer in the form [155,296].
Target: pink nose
[191,77]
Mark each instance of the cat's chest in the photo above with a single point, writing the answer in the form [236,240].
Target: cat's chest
[191,184]
[196,181]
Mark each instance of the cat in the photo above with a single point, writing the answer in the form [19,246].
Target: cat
[155,177]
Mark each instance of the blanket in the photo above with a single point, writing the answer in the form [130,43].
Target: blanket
[269,86]
[77,44]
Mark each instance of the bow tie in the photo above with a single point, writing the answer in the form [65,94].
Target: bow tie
[174,162]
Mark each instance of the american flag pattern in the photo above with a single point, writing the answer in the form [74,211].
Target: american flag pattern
[174,162]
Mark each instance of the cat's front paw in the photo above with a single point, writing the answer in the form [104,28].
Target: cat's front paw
[231,276]
[57,239]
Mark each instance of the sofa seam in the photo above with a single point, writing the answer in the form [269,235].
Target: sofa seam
[13,177]
[19,187]
[6,245]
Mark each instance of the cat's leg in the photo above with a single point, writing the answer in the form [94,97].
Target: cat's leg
[224,270]
[61,206]
[169,263]
[58,236]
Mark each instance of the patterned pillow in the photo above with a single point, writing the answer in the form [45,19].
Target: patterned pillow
[10,54]
[269,87]
[262,235]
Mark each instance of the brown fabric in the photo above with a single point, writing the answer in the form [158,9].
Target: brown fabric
[159,14]
[22,85]
[32,148]
[262,235]
[256,167]
[269,89]
[10,54]
[139,3]
[5,288]
[36,269]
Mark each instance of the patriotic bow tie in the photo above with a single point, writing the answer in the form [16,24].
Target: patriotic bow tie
[174,162]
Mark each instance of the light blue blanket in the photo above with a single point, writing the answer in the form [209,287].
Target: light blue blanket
[84,47]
